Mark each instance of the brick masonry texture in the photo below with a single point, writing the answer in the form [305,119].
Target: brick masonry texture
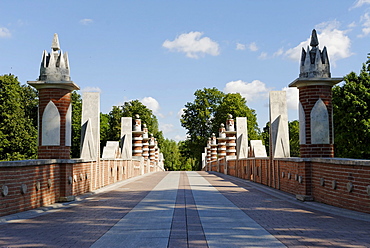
[308,178]
[59,181]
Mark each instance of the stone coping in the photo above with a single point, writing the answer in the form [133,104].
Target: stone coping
[37,162]
[341,161]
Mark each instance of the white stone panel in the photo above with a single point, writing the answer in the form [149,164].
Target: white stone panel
[90,114]
[258,149]
[88,148]
[319,123]
[302,125]
[241,137]
[279,130]
[111,149]
[50,126]
[126,137]
[68,138]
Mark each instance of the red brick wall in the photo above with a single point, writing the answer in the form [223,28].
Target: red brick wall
[68,178]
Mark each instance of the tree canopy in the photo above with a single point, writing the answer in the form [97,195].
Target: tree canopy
[112,129]
[203,117]
[18,118]
[351,102]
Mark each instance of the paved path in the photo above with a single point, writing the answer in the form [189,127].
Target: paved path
[187,209]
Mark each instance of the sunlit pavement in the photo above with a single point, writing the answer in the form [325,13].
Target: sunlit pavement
[187,209]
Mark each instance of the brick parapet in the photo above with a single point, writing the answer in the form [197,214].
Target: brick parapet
[52,180]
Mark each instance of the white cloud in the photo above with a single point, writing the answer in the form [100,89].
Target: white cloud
[193,45]
[240,46]
[180,113]
[279,52]
[250,91]
[365,20]
[86,21]
[359,3]
[178,138]
[253,47]
[263,55]
[4,32]
[91,89]
[329,35]
[292,95]
[166,128]
[153,105]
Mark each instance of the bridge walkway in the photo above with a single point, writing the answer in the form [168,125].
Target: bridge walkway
[186,209]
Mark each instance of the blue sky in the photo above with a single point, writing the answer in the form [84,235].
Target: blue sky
[160,52]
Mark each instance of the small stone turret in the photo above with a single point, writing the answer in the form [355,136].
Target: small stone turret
[54,65]
[314,63]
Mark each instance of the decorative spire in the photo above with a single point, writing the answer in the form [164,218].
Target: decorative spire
[55,44]
[314,63]
[314,40]
[55,65]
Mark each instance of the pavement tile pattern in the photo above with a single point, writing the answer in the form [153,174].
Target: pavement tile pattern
[189,209]
[294,223]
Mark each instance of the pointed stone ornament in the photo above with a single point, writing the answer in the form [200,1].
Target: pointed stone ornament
[55,44]
[314,39]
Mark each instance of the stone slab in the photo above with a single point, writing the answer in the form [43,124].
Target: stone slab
[241,137]
[126,137]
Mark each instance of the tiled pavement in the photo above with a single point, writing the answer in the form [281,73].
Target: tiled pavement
[193,209]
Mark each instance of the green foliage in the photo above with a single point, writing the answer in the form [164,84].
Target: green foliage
[351,102]
[130,109]
[294,138]
[203,117]
[266,137]
[171,153]
[18,115]
[236,105]
[76,124]
[104,130]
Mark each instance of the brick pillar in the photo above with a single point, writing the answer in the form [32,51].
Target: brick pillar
[137,138]
[145,143]
[55,110]
[309,96]
[213,148]
[230,137]
[221,150]
[62,100]
[152,149]
[316,132]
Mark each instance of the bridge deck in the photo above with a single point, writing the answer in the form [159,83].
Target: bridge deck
[187,209]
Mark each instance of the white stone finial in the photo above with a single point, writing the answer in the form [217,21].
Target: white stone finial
[55,44]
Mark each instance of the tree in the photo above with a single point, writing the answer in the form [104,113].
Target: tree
[294,138]
[171,153]
[104,130]
[18,133]
[351,103]
[236,105]
[130,109]
[76,124]
[203,117]
[266,137]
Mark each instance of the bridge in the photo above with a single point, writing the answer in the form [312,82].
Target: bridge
[186,209]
